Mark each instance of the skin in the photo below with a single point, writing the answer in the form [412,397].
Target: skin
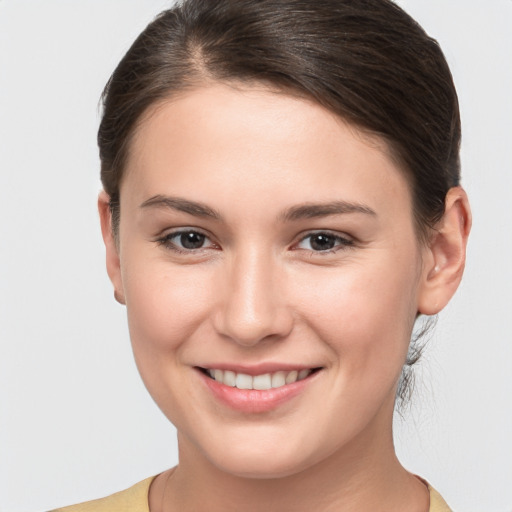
[259,292]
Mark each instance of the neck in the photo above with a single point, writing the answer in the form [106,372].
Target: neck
[365,475]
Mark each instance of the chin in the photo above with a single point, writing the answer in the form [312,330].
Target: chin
[260,467]
[273,459]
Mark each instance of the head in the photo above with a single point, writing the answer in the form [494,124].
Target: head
[367,62]
[213,86]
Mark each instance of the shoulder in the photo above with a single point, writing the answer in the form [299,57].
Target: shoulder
[134,499]
[437,504]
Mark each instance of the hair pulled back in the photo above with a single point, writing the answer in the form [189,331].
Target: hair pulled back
[365,60]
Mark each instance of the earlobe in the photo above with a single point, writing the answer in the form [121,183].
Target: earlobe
[113,261]
[445,254]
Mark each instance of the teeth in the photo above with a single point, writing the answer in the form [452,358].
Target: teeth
[229,378]
[278,379]
[260,382]
[243,381]
[292,377]
[303,374]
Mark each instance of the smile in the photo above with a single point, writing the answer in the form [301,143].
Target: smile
[257,390]
[262,382]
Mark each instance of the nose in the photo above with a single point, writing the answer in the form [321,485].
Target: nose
[252,304]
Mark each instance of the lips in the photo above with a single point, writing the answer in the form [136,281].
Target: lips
[251,392]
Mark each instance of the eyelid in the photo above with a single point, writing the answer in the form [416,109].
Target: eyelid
[164,239]
[344,240]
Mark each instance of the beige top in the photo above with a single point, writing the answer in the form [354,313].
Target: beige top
[135,499]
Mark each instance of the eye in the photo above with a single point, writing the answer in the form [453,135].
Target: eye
[324,242]
[186,240]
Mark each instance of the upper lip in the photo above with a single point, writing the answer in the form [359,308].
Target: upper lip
[258,369]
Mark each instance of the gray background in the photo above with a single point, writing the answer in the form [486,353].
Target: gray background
[75,420]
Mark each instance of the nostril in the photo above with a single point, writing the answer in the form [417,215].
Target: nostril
[251,329]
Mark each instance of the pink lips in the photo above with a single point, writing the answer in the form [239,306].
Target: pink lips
[253,400]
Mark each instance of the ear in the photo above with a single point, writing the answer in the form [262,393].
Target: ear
[112,250]
[444,256]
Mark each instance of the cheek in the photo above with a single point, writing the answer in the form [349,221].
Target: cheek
[165,304]
[364,313]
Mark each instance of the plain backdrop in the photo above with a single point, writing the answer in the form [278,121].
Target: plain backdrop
[75,421]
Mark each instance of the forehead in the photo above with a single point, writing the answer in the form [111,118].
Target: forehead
[224,141]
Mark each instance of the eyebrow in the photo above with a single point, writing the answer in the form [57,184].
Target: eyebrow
[182,205]
[295,213]
[314,210]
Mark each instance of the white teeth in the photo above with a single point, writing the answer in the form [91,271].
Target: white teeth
[243,381]
[303,374]
[278,379]
[291,377]
[230,378]
[260,382]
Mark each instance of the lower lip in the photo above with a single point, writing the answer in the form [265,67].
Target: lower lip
[254,400]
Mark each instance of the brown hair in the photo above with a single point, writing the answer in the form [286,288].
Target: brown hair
[365,60]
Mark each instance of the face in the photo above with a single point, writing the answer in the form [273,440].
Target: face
[271,273]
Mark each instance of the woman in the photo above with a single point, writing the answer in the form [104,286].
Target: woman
[281,202]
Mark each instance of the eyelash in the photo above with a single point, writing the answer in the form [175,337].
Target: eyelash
[166,241]
[341,242]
